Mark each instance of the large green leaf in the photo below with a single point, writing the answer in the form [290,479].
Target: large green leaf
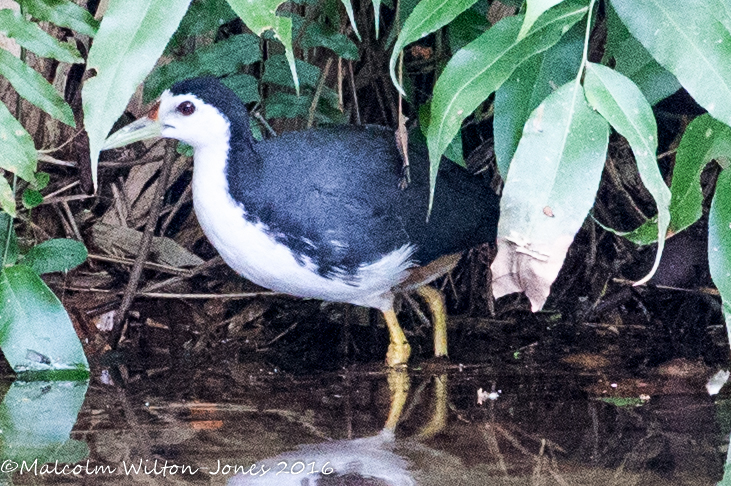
[57,255]
[705,139]
[550,188]
[7,198]
[719,243]
[220,59]
[261,16]
[36,334]
[482,66]
[63,13]
[35,39]
[132,35]
[18,154]
[202,18]
[687,39]
[428,16]
[528,86]
[632,59]
[33,87]
[535,9]
[622,104]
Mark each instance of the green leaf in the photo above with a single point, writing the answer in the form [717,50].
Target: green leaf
[622,104]
[35,331]
[550,188]
[18,154]
[319,35]
[42,180]
[33,38]
[203,17]
[428,16]
[261,16]
[535,9]
[245,86]
[633,60]
[377,15]
[32,198]
[220,59]
[7,202]
[277,72]
[130,40]
[468,26]
[719,242]
[33,87]
[57,255]
[528,86]
[689,41]
[351,16]
[705,139]
[63,13]
[6,225]
[481,67]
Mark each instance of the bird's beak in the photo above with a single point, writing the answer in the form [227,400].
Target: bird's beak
[142,129]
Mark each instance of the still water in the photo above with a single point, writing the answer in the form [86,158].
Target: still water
[246,423]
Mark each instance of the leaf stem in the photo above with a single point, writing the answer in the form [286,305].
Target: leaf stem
[585,55]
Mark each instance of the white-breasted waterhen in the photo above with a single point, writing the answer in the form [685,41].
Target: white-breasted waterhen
[320,213]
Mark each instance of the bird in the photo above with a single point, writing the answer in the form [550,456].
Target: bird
[322,213]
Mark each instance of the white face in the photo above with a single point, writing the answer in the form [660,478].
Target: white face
[190,120]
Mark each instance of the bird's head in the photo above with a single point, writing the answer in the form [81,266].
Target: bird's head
[196,111]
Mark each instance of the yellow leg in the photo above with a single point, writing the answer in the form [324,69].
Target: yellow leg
[399,349]
[438,421]
[435,302]
[398,384]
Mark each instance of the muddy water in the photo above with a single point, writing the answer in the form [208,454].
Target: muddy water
[576,422]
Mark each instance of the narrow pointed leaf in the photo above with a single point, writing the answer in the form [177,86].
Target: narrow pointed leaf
[428,16]
[622,104]
[35,39]
[719,243]
[535,9]
[261,16]
[528,86]
[57,255]
[131,38]
[6,225]
[482,66]
[63,13]
[377,15]
[36,333]
[33,87]
[349,9]
[687,39]
[551,186]
[18,154]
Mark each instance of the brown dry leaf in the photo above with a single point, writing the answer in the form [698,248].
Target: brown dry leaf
[522,267]
[118,239]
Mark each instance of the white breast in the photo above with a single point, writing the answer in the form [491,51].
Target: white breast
[249,250]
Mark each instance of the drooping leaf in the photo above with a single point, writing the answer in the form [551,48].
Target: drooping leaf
[35,39]
[633,60]
[245,86]
[18,154]
[719,243]
[622,104]
[202,18]
[7,231]
[468,26]
[428,16]
[535,9]
[36,333]
[481,67]
[276,71]
[705,139]
[33,87]
[261,16]
[130,40]
[528,86]
[351,16]
[219,59]
[57,255]
[63,13]
[319,35]
[550,188]
[7,201]
[377,15]
[690,42]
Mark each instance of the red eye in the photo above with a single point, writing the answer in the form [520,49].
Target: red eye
[186,108]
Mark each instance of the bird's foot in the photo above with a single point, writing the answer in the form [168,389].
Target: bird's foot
[398,354]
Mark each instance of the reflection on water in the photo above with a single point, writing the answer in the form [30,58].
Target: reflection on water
[252,426]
